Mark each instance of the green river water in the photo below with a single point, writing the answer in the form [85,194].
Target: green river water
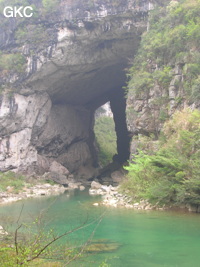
[144,238]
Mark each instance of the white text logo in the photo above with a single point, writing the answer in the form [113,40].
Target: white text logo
[13,12]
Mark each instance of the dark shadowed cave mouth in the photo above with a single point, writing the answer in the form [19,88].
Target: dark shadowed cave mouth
[117,100]
[111,135]
[85,93]
[68,136]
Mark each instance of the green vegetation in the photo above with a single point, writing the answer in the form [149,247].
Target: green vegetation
[49,5]
[173,40]
[35,35]
[14,181]
[30,243]
[27,31]
[34,243]
[12,62]
[106,139]
[167,171]
[169,174]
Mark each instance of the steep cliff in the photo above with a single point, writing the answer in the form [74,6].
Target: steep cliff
[165,75]
[163,109]
[56,69]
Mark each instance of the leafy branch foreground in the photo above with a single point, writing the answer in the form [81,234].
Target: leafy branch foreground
[169,174]
[32,245]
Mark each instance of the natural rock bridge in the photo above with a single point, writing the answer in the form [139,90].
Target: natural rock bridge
[51,116]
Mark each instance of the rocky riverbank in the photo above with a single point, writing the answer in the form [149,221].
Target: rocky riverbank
[30,192]
[39,190]
[111,196]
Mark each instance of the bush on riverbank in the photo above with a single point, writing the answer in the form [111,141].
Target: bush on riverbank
[14,181]
[171,174]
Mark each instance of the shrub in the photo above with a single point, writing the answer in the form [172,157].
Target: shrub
[12,62]
[49,5]
[173,38]
[16,181]
[172,173]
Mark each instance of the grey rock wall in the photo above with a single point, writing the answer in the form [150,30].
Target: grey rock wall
[79,62]
[21,118]
[33,134]
[147,113]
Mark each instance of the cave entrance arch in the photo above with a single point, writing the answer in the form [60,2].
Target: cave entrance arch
[83,73]
[68,134]
[66,81]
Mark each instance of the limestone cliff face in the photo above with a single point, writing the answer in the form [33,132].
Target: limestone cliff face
[21,117]
[34,133]
[165,74]
[74,62]
[146,113]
